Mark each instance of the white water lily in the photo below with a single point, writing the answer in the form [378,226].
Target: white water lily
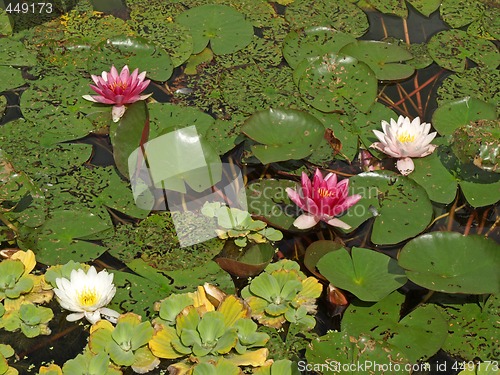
[86,295]
[405,139]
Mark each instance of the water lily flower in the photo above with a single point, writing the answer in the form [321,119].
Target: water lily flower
[323,200]
[405,139]
[87,294]
[119,89]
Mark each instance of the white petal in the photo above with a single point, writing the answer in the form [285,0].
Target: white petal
[93,316]
[405,166]
[74,317]
[89,98]
[305,221]
[338,223]
[117,112]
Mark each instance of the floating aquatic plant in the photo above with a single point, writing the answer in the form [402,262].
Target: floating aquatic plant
[283,293]
[405,139]
[86,294]
[322,200]
[119,89]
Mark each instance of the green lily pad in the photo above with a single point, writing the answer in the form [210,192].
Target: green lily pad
[340,352]
[59,240]
[401,207]
[66,55]
[148,19]
[285,134]
[426,7]
[395,7]
[10,78]
[451,48]
[330,82]
[136,52]
[420,334]
[313,41]
[127,135]
[452,115]
[367,274]
[458,13]
[226,29]
[382,58]
[267,199]
[478,82]
[472,266]
[14,53]
[473,326]
[339,14]
[435,178]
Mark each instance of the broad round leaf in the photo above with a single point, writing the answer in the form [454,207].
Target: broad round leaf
[331,82]
[450,116]
[401,207]
[285,133]
[419,334]
[451,48]
[267,199]
[136,52]
[367,274]
[226,29]
[245,262]
[313,41]
[452,263]
[10,78]
[383,58]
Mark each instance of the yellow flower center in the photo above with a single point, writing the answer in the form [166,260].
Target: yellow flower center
[122,85]
[88,297]
[325,193]
[406,137]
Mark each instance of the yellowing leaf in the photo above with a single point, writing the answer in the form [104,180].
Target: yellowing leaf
[28,259]
[161,345]
[233,309]
[251,358]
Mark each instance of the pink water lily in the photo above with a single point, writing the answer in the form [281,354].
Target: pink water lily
[119,89]
[405,139]
[323,199]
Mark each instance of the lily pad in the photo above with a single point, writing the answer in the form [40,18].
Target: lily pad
[383,58]
[226,29]
[458,13]
[313,41]
[395,7]
[452,115]
[267,199]
[473,326]
[401,207]
[285,134]
[420,334]
[10,78]
[451,48]
[59,240]
[14,53]
[330,82]
[472,266]
[337,352]
[246,262]
[136,52]
[426,7]
[339,14]
[367,274]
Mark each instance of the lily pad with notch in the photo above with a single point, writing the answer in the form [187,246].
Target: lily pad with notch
[332,82]
[284,134]
[384,59]
[313,41]
[225,28]
[246,262]
[472,266]
[136,52]
[401,207]
[369,275]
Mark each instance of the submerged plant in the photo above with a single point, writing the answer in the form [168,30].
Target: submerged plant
[87,294]
[118,89]
[322,200]
[204,333]
[283,293]
[405,139]
[126,344]
[239,225]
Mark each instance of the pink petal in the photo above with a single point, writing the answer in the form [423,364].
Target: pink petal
[405,166]
[338,223]
[306,221]
[348,203]
[117,112]
[295,197]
